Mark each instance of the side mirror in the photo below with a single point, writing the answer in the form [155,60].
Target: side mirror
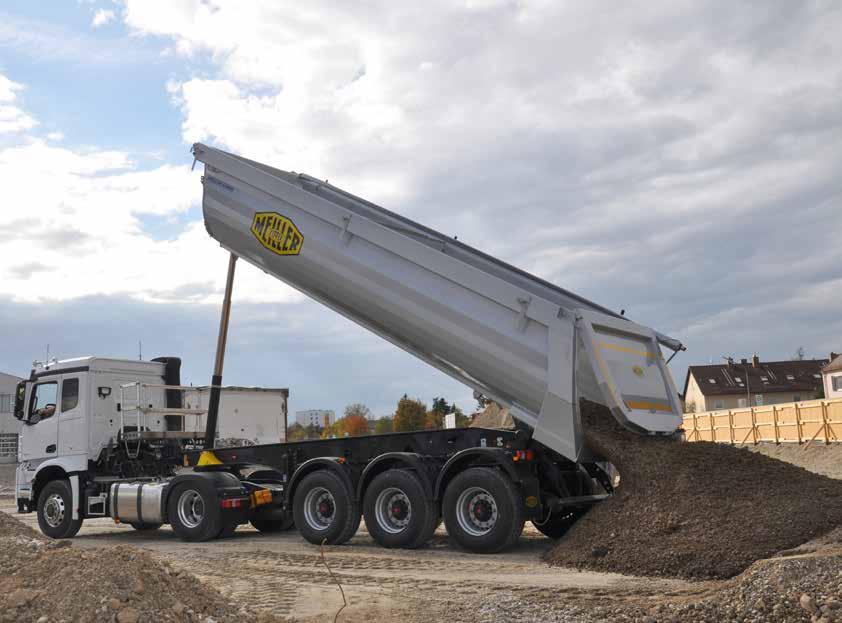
[20,398]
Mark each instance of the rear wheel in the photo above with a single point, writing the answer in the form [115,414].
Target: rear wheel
[194,512]
[397,510]
[324,509]
[55,511]
[482,510]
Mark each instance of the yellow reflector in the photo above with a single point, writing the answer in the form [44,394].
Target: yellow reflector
[261,496]
[208,458]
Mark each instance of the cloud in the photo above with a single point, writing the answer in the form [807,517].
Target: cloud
[677,160]
[86,224]
[12,118]
[102,17]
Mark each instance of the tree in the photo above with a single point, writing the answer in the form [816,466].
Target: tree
[354,425]
[799,354]
[410,415]
[296,432]
[383,426]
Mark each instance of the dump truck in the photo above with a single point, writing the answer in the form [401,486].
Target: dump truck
[106,438]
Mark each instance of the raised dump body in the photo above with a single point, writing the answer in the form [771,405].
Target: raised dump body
[529,345]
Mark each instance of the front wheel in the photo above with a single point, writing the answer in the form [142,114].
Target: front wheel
[55,511]
[482,510]
[325,509]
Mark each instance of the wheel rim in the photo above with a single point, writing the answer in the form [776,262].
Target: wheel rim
[54,510]
[393,510]
[191,508]
[476,511]
[319,508]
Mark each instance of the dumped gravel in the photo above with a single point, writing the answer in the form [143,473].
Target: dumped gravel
[44,581]
[493,416]
[693,510]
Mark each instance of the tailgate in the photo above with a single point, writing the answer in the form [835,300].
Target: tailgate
[629,369]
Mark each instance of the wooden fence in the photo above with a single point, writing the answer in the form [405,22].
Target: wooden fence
[791,422]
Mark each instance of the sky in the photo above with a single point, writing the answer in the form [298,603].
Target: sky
[679,160]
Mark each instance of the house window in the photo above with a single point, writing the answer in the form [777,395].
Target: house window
[718,405]
[796,398]
[712,381]
[837,383]
[765,379]
[5,403]
[758,400]
[790,377]
[741,402]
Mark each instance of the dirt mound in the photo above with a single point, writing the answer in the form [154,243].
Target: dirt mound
[494,416]
[694,510]
[44,580]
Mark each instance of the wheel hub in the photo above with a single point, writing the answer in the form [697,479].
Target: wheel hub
[319,508]
[191,508]
[393,510]
[54,510]
[476,511]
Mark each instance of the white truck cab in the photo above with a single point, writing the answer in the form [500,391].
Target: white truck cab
[72,414]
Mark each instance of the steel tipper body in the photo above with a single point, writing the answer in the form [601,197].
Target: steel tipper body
[527,344]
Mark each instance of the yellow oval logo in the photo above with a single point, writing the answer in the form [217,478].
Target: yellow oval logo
[531,501]
[638,371]
[277,233]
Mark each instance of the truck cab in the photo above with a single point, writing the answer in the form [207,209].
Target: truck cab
[81,413]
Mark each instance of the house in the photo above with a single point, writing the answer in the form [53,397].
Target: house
[9,426]
[832,374]
[733,384]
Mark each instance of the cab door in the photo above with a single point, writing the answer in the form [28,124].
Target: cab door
[39,436]
[72,426]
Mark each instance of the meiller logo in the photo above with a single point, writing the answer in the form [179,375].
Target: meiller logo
[277,233]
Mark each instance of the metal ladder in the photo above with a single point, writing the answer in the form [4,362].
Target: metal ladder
[134,398]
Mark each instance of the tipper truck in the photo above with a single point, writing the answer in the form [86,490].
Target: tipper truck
[107,438]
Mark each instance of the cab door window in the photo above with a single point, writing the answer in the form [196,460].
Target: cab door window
[69,394]
[43,403]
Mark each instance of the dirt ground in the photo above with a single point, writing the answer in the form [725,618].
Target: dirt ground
[285,576]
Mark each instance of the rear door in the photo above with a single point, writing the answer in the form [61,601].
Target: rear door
[630,371]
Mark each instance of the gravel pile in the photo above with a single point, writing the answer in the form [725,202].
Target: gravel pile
[44,581]
[693,510]
[493,416]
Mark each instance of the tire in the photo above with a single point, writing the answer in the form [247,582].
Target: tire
[273,525]
[397,511]
[558,523]
[483,511]
[55,504]
[146,527]
[324,509]
[194,512]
